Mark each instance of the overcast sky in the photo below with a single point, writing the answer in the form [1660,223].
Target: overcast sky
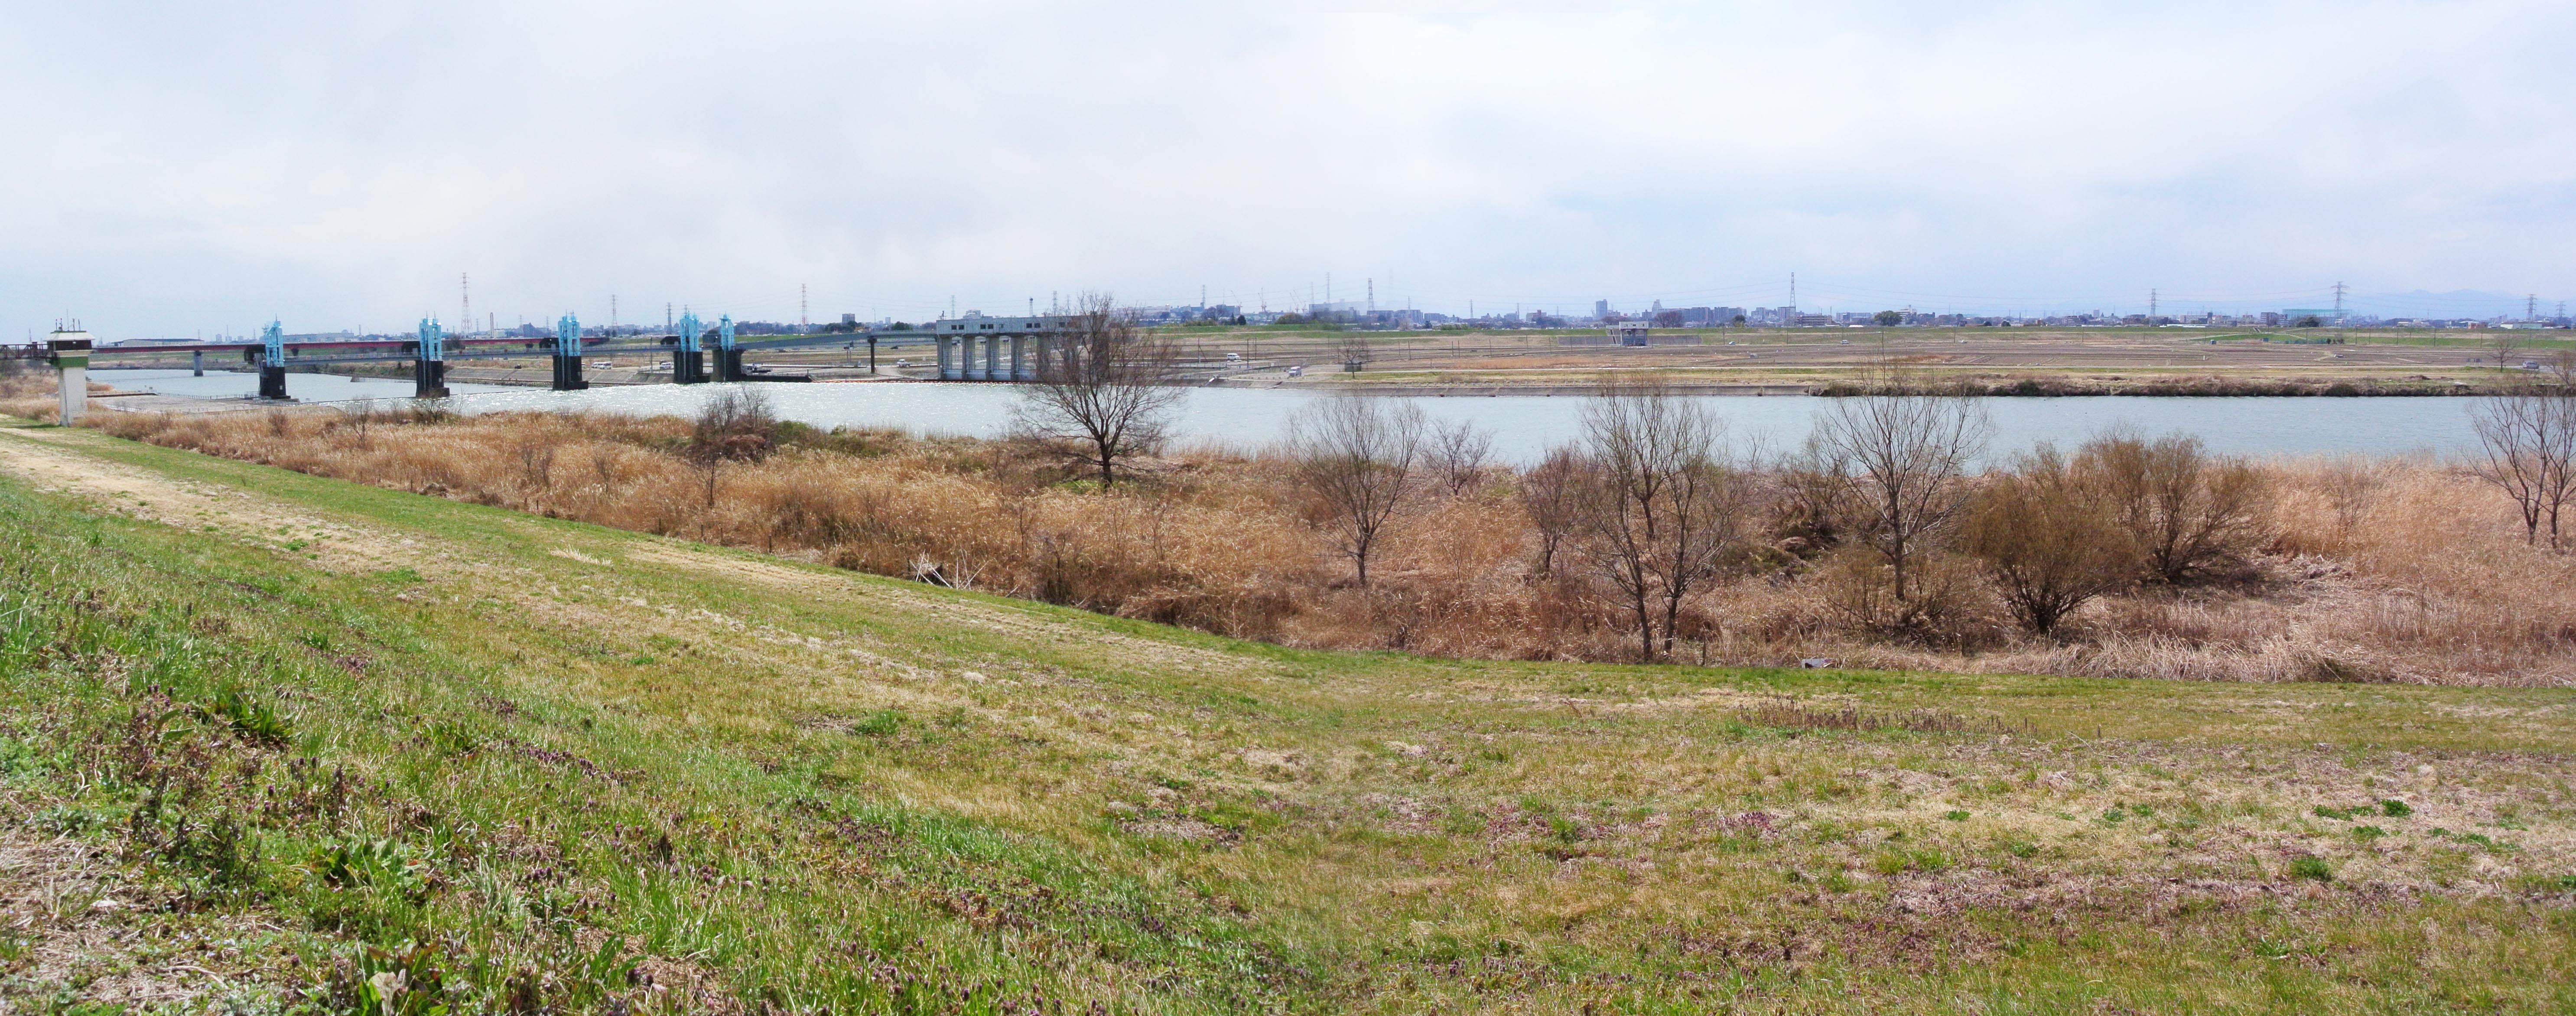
[182,168]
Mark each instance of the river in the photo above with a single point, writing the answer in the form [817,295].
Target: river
[1523,425]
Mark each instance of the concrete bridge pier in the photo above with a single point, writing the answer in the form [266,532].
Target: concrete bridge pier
[1021,368]
[975,366]
[428,378]
[197,361]
[568,374]
[993,359]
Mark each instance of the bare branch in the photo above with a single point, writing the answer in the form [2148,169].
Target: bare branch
[1358,456]
[1105,387]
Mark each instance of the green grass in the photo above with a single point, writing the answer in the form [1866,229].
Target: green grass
[528,757]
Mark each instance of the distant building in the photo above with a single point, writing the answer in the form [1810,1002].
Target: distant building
[1601,309]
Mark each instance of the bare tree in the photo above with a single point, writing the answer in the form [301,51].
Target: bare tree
[1107,390]
[1354,350]
[1551,494]
[2504,343]
[1660,510]
[2190,512]
[1359,457]
[2527,446]
[2049,538]
[1908,457]
[1459,453]
[737,425]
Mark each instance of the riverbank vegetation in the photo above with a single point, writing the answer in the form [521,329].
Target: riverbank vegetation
[277,743]
[1867,554]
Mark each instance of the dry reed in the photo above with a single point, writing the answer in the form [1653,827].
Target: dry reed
[2392,570]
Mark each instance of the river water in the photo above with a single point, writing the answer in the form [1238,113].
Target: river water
[1524,426]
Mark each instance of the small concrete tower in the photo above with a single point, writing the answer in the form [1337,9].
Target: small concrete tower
[69,348]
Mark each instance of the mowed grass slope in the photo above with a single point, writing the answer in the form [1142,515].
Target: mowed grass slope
[325,742]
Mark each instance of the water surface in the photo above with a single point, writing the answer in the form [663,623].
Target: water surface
[1524,426]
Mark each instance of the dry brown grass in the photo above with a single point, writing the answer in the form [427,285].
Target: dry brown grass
[30,390]
[2391,570]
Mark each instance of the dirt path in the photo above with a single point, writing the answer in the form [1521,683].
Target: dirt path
[51,461]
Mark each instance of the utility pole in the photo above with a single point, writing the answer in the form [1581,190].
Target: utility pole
[666,318]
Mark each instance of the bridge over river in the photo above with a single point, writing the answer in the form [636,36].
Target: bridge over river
[971,348]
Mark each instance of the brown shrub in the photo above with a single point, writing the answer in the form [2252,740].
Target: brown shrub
[2192,514]
[2048,538]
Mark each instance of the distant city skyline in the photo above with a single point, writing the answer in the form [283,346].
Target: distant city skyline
[202,170]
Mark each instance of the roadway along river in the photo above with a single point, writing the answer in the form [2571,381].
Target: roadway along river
[1524,426]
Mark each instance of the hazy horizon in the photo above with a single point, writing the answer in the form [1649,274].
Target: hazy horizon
[205,170]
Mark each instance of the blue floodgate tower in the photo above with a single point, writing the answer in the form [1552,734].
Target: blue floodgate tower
[568,355]
[272,362]
[728,357]
[689,362]
[429,362]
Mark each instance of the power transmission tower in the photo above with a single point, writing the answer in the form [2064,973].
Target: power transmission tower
[612,313]
[1793,296]
[2151,306]
[465,290]
[803,319]
[2531,307]
[2338,290]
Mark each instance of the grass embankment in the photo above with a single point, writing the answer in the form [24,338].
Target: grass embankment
[307,735]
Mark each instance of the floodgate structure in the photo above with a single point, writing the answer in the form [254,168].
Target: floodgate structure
[972,348]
